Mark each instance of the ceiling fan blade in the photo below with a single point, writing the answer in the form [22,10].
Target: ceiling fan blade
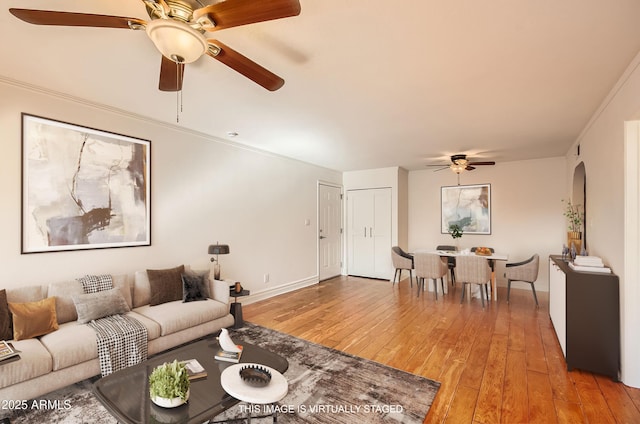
[441,169]
[232,13]
[470,168]
[246,66]
[50,17]
[171,75]
[482,163]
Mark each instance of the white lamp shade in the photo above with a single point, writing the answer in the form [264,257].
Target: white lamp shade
[176,39]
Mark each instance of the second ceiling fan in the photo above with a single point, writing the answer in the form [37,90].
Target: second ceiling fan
[177,30]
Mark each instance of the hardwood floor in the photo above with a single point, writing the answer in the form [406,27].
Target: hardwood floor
[500,364]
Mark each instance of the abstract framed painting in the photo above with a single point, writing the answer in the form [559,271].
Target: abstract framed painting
[468,206]
[83,188]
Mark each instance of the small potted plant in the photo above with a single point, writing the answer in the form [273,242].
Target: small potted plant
[169,385]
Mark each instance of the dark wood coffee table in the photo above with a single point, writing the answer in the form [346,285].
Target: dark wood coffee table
[125,393]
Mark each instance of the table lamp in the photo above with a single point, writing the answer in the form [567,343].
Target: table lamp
[217,249]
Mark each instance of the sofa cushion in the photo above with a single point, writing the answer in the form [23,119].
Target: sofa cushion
[6,328]
[141,289]
[176,316]
[105,303]
[194,288]
[72,344]
[63,292]
[26,294]
[122,283]
[32,319]
[165,285]
[34,362]
[153,328]
[75,343]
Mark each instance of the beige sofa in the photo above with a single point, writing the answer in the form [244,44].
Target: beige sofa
[69,354]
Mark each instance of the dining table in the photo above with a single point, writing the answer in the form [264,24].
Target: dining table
[495,256]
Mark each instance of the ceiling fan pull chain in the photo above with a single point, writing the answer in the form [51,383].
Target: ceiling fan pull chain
[178,93]
[177,107]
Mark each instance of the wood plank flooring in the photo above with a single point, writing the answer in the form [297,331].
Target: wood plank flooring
[502,364]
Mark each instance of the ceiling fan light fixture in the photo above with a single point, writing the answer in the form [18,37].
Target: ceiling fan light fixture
[175,39]
[458,167]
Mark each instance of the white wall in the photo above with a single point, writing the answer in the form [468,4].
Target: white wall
[602,151]
[526,211]
[203,190]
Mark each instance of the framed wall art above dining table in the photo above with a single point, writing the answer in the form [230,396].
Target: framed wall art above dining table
[468,206]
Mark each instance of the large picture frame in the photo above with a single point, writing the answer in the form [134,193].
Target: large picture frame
[469,206]
[83,188]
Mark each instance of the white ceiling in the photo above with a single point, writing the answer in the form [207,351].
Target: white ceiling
[369,83]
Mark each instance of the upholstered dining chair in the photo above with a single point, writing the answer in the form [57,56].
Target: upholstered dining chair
[492,263]
[401,260]
[430,266]
[451,261]
[526,271]
[472,269]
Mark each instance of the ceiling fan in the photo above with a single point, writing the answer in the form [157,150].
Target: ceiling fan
[460,163]
[177,30]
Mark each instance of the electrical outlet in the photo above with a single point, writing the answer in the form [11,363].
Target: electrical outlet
[266,278]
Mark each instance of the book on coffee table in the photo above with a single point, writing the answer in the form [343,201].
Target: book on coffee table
[224,355]
[194,369]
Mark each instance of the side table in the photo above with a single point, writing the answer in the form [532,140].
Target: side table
[236,307]
[275,391]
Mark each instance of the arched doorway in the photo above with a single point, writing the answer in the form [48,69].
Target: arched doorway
[579,196]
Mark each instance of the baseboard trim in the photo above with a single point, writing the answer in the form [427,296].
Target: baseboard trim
[257,296]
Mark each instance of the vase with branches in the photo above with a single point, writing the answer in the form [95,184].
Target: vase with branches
[456,233]
[575,219]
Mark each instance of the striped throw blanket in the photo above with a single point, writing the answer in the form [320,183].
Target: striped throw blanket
[122,342]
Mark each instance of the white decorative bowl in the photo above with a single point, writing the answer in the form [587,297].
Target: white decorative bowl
[170,403]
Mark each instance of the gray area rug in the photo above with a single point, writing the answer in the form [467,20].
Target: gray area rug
[325,386]
[329,386]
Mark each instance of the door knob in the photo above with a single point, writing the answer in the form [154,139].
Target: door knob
[322,237]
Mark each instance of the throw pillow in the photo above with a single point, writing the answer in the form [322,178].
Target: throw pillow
[165,284]
[92,306]
[6,330]
[194,288]
[96,283]
[33,319]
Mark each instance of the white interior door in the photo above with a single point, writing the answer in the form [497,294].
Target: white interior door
[330,231]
